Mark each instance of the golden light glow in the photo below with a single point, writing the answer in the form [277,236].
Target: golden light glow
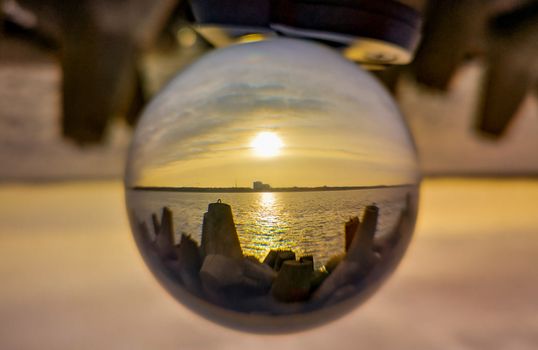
[186,37]
[267,199]
[251,38]
[266,144]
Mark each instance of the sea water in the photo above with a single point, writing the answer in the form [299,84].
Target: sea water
[308,223]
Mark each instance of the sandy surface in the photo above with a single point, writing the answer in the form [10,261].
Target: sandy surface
[71,278]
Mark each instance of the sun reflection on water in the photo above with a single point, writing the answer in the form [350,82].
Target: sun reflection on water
[270,224]
[267,200]
[269,216]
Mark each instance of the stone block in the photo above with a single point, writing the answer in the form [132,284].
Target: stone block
[270,258]
[293,281]
[346,273]
[361,248]
[155,223]
[282,256]
[219,271]
[351,228]
[164,241]
[219,235]
[333,262]
[258,275]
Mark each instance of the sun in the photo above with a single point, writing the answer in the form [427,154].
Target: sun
[266,144]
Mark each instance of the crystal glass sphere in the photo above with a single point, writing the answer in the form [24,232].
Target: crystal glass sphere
[272,186]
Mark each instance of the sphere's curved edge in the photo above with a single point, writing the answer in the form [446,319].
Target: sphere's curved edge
[275,324]
[360,138]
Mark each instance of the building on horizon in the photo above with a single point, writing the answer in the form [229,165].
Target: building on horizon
[260,186]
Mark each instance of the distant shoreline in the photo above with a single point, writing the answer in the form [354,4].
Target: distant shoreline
[251,190]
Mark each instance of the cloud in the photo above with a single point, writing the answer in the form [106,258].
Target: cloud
[210,113]
[199,126]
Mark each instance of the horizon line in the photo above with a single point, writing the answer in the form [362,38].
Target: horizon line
[252,190]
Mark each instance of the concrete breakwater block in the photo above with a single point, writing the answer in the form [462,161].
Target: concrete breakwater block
[361,248]
[188,253]
[347,272]
[144,232]
[333,262]
[293,281]
[318,277]
[219,271]
[383,245]
[219,235]
[282,257]
[164,241]
[357,263]
[276,257]
[270,258]
[341,294]
[243,276]
[188,280]
[188,264]
[307,258]
[258,275]
[351,228]
[155,223]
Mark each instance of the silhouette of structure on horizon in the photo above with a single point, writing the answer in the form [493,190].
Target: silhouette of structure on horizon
[260,186]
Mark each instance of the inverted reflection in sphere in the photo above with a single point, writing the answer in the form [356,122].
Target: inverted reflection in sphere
[272,186]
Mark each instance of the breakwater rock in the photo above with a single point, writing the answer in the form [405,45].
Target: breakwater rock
[216,270]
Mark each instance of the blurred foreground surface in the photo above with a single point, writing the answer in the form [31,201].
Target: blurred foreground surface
[71,277]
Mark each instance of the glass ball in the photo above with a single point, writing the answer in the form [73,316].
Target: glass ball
[272,186]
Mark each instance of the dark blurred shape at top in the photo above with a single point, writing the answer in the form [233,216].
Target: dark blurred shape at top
[370,32]
[513,68]
[99,41]
[504,32]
